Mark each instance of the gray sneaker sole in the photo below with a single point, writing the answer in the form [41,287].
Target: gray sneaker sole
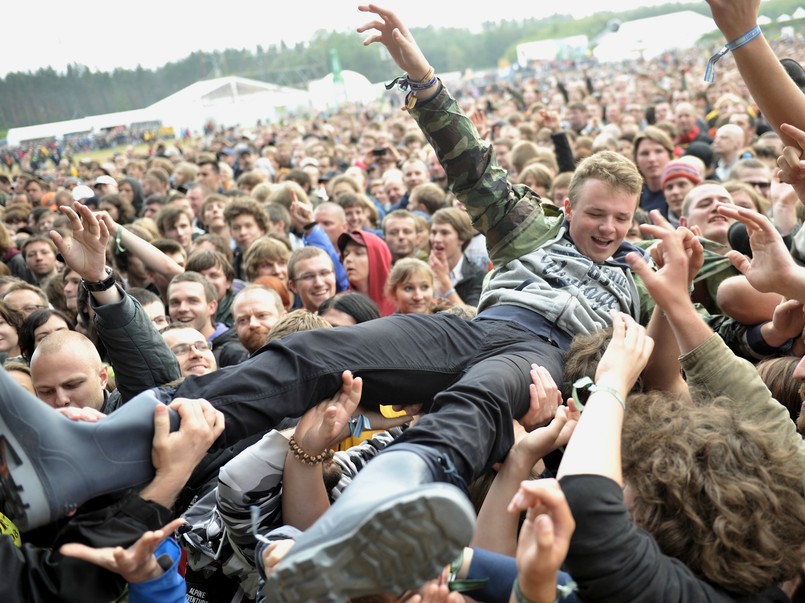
[401,545]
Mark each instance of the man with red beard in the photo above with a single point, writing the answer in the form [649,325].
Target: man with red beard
[256,310]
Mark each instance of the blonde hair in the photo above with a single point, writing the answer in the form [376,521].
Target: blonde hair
[298,320]
[404,270]
[613,169]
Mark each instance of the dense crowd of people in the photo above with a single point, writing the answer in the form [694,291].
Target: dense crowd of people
[534,340]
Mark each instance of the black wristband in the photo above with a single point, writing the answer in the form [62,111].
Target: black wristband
[103,285]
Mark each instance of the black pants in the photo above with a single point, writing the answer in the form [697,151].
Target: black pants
[473,377]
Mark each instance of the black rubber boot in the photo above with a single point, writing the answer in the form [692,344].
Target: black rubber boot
[49,465]
[392,530]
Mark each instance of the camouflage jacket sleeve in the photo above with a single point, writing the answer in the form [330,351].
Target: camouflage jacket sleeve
[511,217]
[745,341]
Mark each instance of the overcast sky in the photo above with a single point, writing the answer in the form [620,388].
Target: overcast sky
[104,36]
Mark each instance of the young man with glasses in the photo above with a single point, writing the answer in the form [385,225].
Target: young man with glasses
[311,276]
[192,351]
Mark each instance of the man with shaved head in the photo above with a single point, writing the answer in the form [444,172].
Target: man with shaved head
[66,370]
[727,145]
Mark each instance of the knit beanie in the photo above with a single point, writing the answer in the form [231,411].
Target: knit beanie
[680,169]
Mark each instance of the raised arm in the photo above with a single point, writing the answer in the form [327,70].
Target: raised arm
[304,497]
[595,448]
[475,176]
[779,98]
[496,529]
[152,258]
[709,365]
[138,354]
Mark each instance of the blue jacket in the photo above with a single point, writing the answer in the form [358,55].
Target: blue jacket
[316,237]
[169,587]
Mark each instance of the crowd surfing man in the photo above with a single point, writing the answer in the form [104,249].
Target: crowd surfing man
[555,275]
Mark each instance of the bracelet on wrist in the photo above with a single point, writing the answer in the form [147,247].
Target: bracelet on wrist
[710,72]
[587,384]
[563,591]
[428,77]
[405,82]
[119,240]
[305,457]
[520,597]
[449,293]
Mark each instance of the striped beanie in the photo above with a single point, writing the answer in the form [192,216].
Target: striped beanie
[680,169]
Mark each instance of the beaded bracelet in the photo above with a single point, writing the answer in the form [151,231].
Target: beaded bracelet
[710,72]
[306,458]
[413,86]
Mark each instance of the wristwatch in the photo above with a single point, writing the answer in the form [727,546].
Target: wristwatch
[103,285]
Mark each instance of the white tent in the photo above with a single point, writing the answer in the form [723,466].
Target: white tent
[648,38]
[354,87]
[227,101]
[549,50]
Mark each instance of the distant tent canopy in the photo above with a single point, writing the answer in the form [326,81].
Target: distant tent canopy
[549,50]
[228,101]
[327,93]
[648,38]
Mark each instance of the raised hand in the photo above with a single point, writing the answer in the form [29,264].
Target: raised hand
[135,564]
[545,399]
[771,269]
[792,167]
[734,17]
[301,212]
[694,250]
[550,120]
[669,284]
[394,35]
[324,425]
[544,537]
[85,251]
[626,355]
[479,120]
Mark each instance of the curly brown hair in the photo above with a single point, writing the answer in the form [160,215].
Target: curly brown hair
[716,491]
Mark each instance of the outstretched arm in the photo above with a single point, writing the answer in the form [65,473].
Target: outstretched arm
[497,530]
[137,563]
[595,448]
[152,258]
[394,35]
[304,497]
[544,538]
[779,98]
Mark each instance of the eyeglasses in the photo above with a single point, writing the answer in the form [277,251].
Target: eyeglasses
[184,348]
[30,309]
[761,185]
[309,277]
